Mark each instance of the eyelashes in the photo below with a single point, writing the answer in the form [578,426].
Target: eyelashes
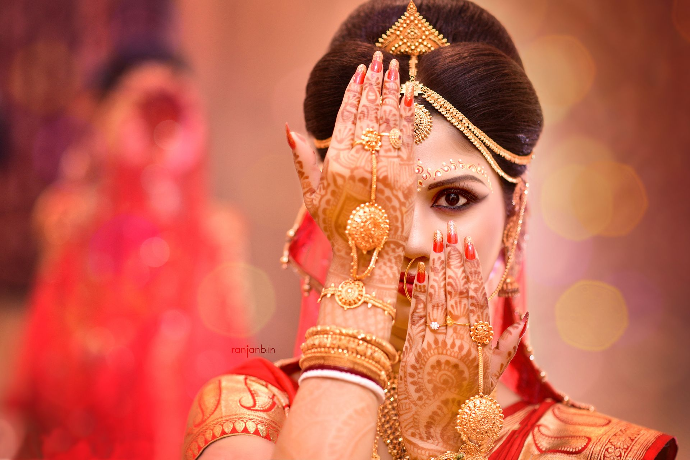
[454,199]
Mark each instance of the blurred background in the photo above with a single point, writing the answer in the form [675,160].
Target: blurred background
[608,249]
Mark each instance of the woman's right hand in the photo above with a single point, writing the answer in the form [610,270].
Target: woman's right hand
[345,183]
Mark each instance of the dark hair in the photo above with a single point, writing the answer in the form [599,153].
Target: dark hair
[129,58]
[480,73]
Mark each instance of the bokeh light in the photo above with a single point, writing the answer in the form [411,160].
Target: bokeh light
[236,299]
[577,149]
[591,315]
[154,251]
[561,70]
[681,17]
[575,203]
[628,195]
[604,198]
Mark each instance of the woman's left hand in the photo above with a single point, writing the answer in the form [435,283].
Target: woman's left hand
[439,365]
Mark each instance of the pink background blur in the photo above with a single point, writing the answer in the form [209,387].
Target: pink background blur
[608,249]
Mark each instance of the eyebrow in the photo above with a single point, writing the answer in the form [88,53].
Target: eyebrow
[455,180]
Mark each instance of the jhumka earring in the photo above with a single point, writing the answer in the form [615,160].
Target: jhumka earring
[512,242]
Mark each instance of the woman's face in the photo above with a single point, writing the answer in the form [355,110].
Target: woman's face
[472,198]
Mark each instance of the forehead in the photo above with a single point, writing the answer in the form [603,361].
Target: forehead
[446,143]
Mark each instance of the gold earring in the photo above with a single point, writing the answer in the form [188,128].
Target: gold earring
[508,286]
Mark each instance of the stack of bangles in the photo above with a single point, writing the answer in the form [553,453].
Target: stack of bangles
[349,355]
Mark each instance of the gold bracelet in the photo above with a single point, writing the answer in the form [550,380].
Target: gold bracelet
[352,293]
[358,334]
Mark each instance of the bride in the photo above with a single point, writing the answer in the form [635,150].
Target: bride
[412,335]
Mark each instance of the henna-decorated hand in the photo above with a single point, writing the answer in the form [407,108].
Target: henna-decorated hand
[331,195]
[346,182]
[439,366]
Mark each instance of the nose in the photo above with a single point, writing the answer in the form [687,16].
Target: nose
[418,242]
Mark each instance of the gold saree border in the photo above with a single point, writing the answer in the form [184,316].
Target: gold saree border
[232,405]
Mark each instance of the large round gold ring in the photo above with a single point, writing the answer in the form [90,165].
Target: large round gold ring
[394,137]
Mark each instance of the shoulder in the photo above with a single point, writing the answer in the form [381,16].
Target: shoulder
[552,428]
[252,399]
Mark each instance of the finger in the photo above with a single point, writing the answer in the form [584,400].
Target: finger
[456,282]
[416,328]
[477,300]
[389,115]
[307,167]
[370,103]
[345,122]
[506,347]
[436,298]
[407,124]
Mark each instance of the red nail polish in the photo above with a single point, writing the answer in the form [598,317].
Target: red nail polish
[452,234]
[409,95]
[524,328]
[438,241]
[377,62]
[360,74]
[290,139]
[470,254]
[393,70]
[421,272]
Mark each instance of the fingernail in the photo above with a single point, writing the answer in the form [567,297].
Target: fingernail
[377,62]
[409,94]
[524,327]
[438,241]
[452,234]
[359,75]
[469,249]
[393,70]
[421,272]
[290,139]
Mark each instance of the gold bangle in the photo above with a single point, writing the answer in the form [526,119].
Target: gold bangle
[350,345]
[358,364]
[359,334]
[352,293]
[346,356]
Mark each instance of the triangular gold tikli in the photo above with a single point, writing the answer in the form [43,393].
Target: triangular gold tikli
[411,35]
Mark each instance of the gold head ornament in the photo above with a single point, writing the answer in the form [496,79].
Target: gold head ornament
[412,35]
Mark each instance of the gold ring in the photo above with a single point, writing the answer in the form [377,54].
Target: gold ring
[394,137]
[451,322]
[435,325]
[371,139]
